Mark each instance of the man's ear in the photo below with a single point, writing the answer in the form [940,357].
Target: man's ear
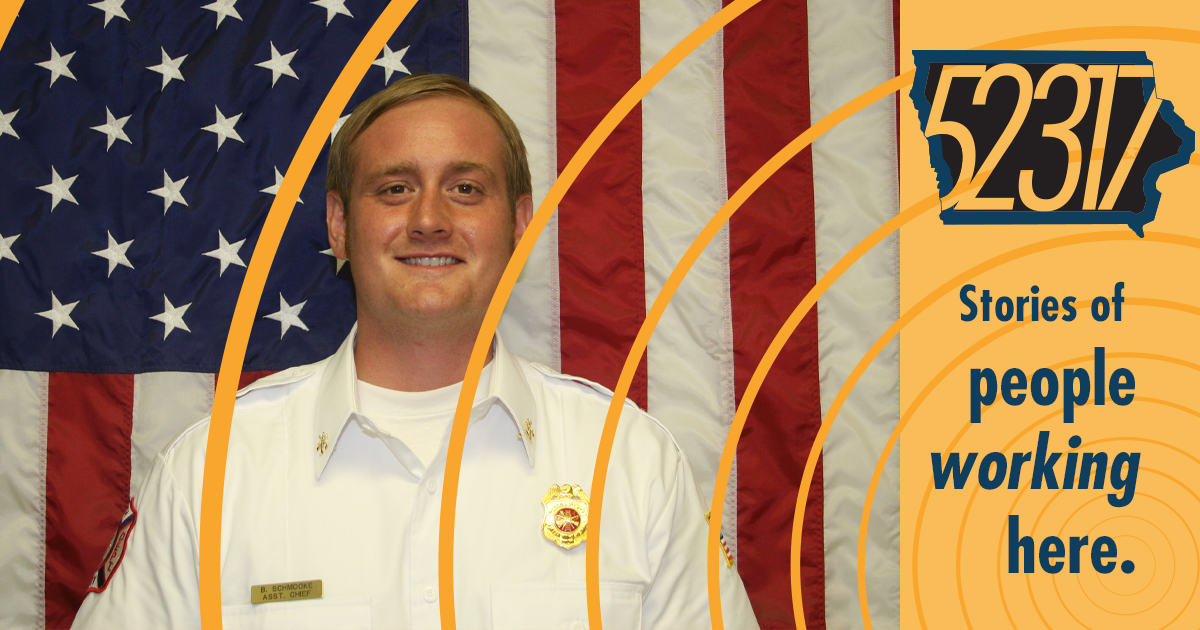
[335,221]
[523,215]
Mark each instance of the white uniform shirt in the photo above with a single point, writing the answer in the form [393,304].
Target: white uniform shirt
[363,515]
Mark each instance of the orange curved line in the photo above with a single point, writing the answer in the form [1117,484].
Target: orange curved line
[1174,568]
[8,15]
[491,320]
[247,303]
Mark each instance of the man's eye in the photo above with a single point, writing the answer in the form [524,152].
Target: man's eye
[397,189]
[465,189]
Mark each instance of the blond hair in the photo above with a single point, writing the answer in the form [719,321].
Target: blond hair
[341,155]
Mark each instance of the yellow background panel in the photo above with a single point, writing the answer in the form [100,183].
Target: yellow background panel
[954,542]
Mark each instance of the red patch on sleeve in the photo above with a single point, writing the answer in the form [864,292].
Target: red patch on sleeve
[115,553]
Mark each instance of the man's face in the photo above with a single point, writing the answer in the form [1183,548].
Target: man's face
[429,230]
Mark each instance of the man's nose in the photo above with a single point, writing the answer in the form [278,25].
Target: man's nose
[430,216]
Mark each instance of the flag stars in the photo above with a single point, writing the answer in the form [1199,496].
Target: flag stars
[227,253]
[332,8]
[169,68]
[111,9]
[59,314]
[6,252]
[337,126]
[288,316]
[114,129]
[115,254]
[59,189]
[223,9]
[340,261]
[170,191]
[172,317]
[279,65]
[6,123]
[224,128]
[391,62]
[57,65]
[274,190]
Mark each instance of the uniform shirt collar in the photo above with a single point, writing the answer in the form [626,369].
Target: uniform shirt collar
[337,398]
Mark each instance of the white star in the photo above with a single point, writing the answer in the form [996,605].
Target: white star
[6,123]
[391,62]
[169,68]
[59,314]
[115,254]
[279,64]
[340,261]
[223,9]
[57,65]
[224,128]
[114,129]
[337,126]
[172,317]
[111,9]
[288,316]
[332,8]
[227,253]
[6,248]
[170,191]
[59,189]
[274,190]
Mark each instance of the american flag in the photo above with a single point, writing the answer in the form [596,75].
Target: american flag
[142,143]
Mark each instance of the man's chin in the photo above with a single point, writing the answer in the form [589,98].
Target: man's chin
[429,314]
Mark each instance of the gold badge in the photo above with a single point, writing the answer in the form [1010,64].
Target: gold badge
[323,445]
[566,518]
[285,592]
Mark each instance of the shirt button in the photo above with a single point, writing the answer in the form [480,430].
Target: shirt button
[431,486]
[431,594]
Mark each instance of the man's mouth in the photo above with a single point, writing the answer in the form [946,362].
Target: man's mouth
[430,261]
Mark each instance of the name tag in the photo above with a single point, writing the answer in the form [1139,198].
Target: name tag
[285,591]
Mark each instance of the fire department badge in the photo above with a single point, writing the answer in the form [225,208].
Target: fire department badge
[115,553]
[566,518]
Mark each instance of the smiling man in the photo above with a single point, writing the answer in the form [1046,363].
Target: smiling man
[333,483]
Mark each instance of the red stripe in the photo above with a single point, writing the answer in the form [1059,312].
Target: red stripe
[602,278]
[772,266]
[87,481]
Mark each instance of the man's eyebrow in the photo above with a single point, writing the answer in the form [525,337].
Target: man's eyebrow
[399,168]
[410,168]
[459,168]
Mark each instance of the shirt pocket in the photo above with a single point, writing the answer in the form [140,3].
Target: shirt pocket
[549,606]
[317,614]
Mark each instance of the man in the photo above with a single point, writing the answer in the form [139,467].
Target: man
[332,492]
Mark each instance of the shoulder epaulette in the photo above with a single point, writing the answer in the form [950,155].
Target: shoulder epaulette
[552,373]
[286,377]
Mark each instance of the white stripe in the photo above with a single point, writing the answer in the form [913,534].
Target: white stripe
[509,44]
[164,404]
[854,181]
[23,417]
[690,355]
